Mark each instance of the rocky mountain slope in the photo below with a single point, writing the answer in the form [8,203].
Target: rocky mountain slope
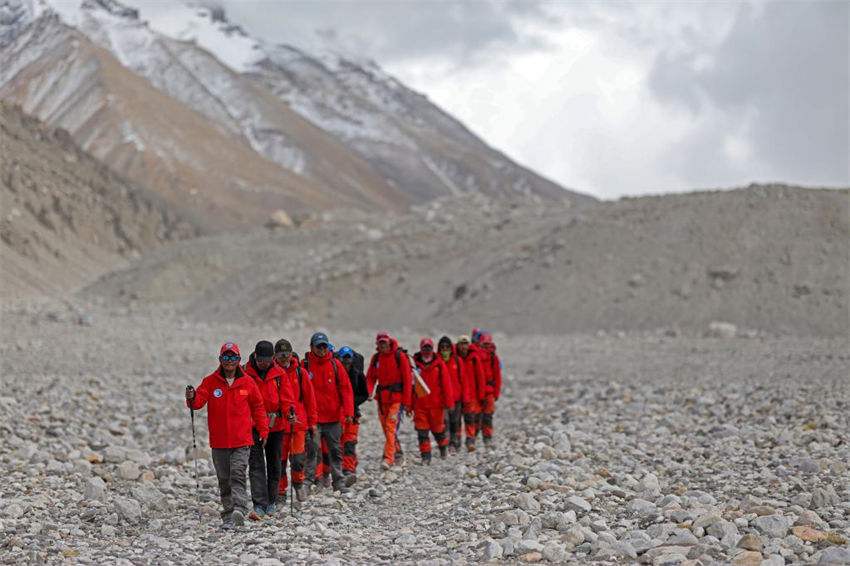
[765,258]
[66,218]
[209,116]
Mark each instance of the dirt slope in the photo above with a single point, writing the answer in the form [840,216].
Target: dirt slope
[65,217]
[770,258]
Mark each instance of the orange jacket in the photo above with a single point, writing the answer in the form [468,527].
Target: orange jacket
[439,381]
[233,409]
[305,400]
[391,373]
[474,387]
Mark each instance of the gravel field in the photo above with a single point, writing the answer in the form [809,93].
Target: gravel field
[628,448]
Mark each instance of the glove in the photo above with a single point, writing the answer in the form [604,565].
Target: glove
[349,420]
[190,393]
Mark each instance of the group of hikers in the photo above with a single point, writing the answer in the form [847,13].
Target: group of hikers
[277,408]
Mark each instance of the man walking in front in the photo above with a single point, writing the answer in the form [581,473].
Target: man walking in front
[334,405]
[390,371]
[235,406]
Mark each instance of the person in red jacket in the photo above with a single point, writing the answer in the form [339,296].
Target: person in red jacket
[454,415]
[390,370]
[235,407]
[429,410]
[264,462]
[473,389]
[296,429]
[334,404]
[492,369]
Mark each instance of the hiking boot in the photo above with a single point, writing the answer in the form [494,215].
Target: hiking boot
[300,492]
[488,442]
[385,465]
[399,457]
[426,458]
[452,449]
[444,450]
[237,518]
[339,487]
[227,525]
[260,511]
[350,479]
[270,511]
[470,447]
[326,481]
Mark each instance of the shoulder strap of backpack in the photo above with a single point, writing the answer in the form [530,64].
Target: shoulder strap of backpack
[300,384]
[279,400]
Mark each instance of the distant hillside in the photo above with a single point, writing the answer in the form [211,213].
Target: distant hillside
[236,128]
[769,258]
[66,218]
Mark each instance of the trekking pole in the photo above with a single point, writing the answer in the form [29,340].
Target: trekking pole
[291,479]
[194,446]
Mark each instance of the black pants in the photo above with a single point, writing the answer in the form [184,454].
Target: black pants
[332,434]
[453,423]
[264,469]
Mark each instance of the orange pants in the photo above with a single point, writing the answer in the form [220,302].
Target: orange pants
[471,412]
[432,420]
[293,449]
[349,446]
[388,415]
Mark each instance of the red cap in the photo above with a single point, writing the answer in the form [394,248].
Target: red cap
[486,339]
[382,337]
[229,347]
[426,342]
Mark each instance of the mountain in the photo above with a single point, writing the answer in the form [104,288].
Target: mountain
[233,127]
[67,219]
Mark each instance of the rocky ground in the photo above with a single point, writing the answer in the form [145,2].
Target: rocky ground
[632,448]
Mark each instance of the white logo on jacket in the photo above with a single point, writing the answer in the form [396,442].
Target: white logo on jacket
[218,393]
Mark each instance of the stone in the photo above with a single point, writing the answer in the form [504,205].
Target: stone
[721,529]
[527,502]
[642,507]
[548,453]
[750,542]
[148,494]
[748,558]
[834,555]
[577,504]
[531,557]
[574,536]
[95,489]
[554,552]
[719,329]
[772,525]
[128,509]
[682,537]
[773,560]
[808,534]
[824,497]
[129,470]
[493,550]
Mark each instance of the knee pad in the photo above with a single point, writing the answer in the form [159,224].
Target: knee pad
[298,462]
[469,418]
[349,449]
[422,435]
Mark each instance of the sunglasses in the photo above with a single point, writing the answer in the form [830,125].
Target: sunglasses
[445,347]
[226,358]
[427,348]
[321,346]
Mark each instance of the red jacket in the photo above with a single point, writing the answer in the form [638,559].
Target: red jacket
[474,386]
[439,381]
[232,411]
[456,372]
[492,369]
[305,399]
[332,389]
[276,392]
[391,372]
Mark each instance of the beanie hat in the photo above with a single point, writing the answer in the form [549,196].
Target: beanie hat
[264,351]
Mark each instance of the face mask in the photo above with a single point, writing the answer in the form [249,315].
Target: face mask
[445,354]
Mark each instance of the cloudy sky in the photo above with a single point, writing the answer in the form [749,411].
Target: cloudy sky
[615,98]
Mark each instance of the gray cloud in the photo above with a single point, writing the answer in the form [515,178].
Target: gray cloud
[394,32]
[782,75]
